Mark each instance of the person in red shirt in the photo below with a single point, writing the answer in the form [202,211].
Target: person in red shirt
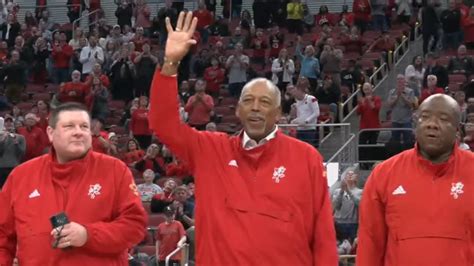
[259,46]
[152,160]
[276,41]
[169,236]
[139,39]
[416,208]
[205,19]
[264,191]
[35,137]
[97,73]
[96,192]
[43,114]
[362,11]
[199,106]
[139,123]
[431,81]
[368,109]
[100,137]
[214,76]
[468,28]
[133,154]
[346,18]
[353,42]
[61,54]
[75,90]
[383,44]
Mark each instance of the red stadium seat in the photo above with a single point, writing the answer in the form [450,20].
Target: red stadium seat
[457,78]
[444,61]
[229,101]
[223,110]
[42,97]
[230,119]
[155,219]
[147,249]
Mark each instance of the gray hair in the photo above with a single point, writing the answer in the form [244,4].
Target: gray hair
[269,85]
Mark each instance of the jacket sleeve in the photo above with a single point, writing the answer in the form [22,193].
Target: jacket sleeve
[128,226]
[183,141]
[372,235]
[7,225]
[324,244]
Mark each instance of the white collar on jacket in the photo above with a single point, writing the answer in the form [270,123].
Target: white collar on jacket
[249,143]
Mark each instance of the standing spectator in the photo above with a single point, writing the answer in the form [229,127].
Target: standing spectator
[76,39]
[122,76]
[40,55]
[246,21]
[35,138]
[139,39]
[362,14]
[100,137]
[169,236]
[74,90]
[468,28]
[205,19]
[99,99]
[30,20]
[276,41]
[378,8]
[331,63]
[115,36]
[73,9]
[219,28]
[283,69]
[97,73]
[353,42]
[307,112]
[236,8]
[124,14]
[139,123]
[199,106]
[345,201]
[431,88]
[236,66]
[90,55]
[433,67]
[61,55]
[148,189]
[308,18]
[310,67]
[451,21]
[10,30]
[142,12]
[261,13]
[414,74]
[214,76]
[295,14]
[236,38]
[259,45]
[404,8]
[159,21]
[12,150]
[211,6]
[461,63]
[133,153]
[429,26]
[368,109]
[401,101]
[15,78]
[346,18]
[145,64]
[329,94]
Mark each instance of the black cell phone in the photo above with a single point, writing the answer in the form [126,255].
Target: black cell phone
[59,219]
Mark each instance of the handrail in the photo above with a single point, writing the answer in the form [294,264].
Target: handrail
[34,7]
[320,127]
[80,18]
[178,249]
[351,138]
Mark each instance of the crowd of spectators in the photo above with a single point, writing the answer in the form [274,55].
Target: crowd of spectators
[316,60]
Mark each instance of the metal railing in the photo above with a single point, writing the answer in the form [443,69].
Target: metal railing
[378,151]
[54,10]
[347,153]
[324,130]
[185,258]
[83,16]
[397,55]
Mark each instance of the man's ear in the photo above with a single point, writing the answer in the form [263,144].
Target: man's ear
[49,132]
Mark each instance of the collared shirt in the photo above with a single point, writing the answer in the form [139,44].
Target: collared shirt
[249,143]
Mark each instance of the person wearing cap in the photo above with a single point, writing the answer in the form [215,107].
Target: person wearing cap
[36,139]
[169,236]
[115,36]
[12,149]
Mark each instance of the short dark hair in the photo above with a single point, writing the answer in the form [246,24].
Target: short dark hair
[70,106]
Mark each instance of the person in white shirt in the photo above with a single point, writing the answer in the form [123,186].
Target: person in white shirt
[307,112]
[283,69]
[148,189]
[90,55]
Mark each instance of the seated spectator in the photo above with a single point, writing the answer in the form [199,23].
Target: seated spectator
[177,168]
[169,235]
[329,93]
[148,189]
[353,42]
[414,74]
[283,69]
[97,74]
[352,76]
[75,41]
[15,77]
[236,38]
[433,67]
[185,91]
[73,91]
[460,97]
[431,88]
[42,113]
[323,17]
[214,76]
[205,20]
[133,153]
[99,97]
[468,28]
[201,62]
[461,63]
[469,138]
[35,138]
[310,67]
[160,201]
[184,208]
[113,149]
[127,34]
[100,137]
[152,160]
[402,102]
[3,52]
[346,18]
[199,106]
[259,46]
[211,127]
[219,28]
[139,123]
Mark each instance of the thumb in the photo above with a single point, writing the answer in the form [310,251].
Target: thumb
[192,42]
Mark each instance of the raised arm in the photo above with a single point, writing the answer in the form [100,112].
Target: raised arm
[164,118]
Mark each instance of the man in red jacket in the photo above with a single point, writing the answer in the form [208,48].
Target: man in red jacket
[61,54]
[416,207]
[199,106]
[265,194]
[35,137]
[95,191]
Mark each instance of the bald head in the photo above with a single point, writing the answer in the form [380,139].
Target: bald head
[441,101]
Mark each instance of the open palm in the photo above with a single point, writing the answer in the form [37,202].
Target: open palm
[180,39]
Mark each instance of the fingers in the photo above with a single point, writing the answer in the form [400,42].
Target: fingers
[169,28]
[179,24]
[192,29]
[187,22]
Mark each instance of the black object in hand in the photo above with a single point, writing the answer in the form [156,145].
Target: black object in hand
[58,221]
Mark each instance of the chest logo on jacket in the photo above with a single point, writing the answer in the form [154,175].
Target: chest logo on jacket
[94,190]
[457,189]
[278,174]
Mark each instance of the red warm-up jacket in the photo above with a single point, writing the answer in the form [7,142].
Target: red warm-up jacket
[414,212]
[264,206]
[112,212]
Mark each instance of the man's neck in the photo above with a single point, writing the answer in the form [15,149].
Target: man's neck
[437,159]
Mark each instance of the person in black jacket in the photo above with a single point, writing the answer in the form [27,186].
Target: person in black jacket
[15,78]
[451,22]
[124,14]
[10,29]
[429,26]
[434,68]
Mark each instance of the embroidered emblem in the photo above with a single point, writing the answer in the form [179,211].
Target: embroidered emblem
[278,173]
[134,189]
[94,190]
[457,189]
